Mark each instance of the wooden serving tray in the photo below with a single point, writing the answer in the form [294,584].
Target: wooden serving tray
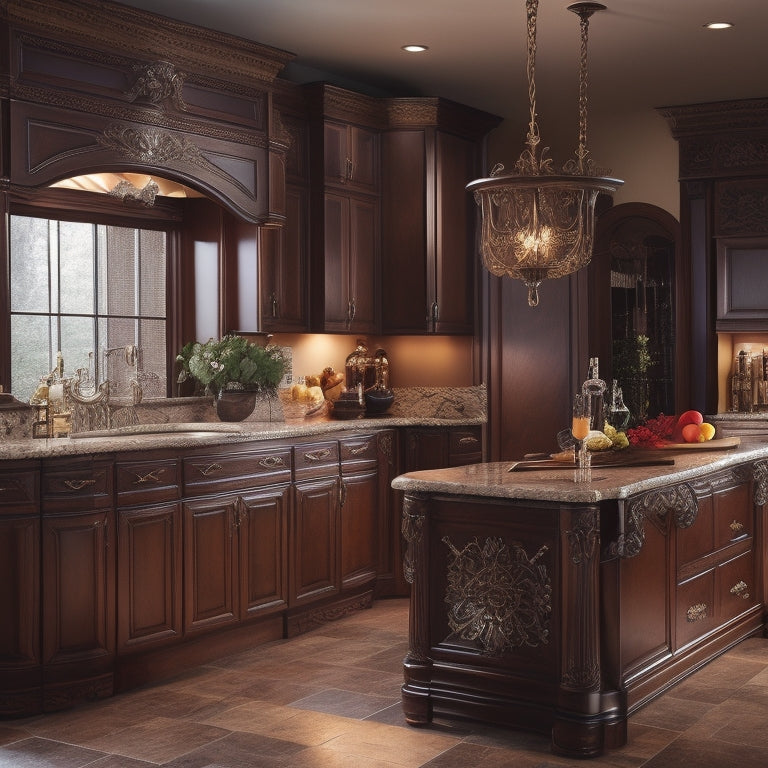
[718,444]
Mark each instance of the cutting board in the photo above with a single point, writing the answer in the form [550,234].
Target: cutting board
[628,458]
[718,444]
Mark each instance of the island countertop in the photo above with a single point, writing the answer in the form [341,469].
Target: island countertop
[494,480]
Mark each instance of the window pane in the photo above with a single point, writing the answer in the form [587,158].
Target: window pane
[76,267]
[152,278]
[29,362]
[122,270]
[29,264]
[77,341]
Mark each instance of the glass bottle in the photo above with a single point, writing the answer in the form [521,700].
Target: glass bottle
[355,366]
[618,415]
[595,387]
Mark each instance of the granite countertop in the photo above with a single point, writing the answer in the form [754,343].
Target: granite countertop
[191,423]
[493,480]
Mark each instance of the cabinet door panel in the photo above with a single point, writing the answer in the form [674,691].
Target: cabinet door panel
[363,234]
[149,575]
[209,564]
[315,565]
[359,528]
[264,551]
[19,593]
[336,254]
[696,610]
[77,588]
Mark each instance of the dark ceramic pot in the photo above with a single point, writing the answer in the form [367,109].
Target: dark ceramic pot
[235,404]
[378,400]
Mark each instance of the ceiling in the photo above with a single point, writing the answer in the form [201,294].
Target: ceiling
[642,53]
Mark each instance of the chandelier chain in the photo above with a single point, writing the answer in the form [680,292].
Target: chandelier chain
[532,7]
[582,151]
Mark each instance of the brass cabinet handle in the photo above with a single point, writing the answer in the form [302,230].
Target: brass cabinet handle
[150,477]
[469,440]
[736,526]
[210,469]
[342,493]
[740,589]
[270,462]
[697,612]
[317,455]
[78,485]
[361,449]
[273,299]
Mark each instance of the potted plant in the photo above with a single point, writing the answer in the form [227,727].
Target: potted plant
[234,370]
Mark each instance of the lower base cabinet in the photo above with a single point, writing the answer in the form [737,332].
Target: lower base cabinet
[149,576]
[78,607]
[119,569]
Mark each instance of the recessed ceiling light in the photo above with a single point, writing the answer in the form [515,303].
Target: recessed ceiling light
[415,48]
[719,25]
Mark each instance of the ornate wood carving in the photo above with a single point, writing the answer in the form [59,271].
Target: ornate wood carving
[760,476]
[741,208]
[498,598]
[580,651]
[385,441]
[414,513]
[157,83]
[121,28]
[653,506]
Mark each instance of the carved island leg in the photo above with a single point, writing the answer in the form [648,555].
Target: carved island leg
[578,728]
[417,665]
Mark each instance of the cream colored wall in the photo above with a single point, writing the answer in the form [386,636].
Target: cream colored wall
[442,361]
[635,147]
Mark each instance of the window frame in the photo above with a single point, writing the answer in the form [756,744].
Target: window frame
[89,207]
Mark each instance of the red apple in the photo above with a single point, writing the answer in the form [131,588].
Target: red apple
[688,417]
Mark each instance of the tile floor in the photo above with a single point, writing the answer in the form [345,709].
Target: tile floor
[317,702]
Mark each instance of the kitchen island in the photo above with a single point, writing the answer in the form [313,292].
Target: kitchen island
[561,608]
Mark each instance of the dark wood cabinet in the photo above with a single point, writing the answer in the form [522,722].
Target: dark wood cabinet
[20,660]
[263,554]
[283,268]
[210,563]
[742,298]
[78,607]
[314,571]
[345,205]
[437,447]
[432,149]
[351,157]
[350,256]
[149,575]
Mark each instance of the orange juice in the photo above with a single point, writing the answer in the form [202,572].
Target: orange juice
[580,427]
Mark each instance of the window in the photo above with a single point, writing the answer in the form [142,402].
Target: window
[95,292]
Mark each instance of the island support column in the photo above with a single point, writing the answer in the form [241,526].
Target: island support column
[417,666]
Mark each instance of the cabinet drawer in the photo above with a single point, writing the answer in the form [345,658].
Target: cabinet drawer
[141,482]
[316,459]
[736,586]
[733,514]
[18,492]
[77,487]
[217,472]
[465,446]
[358,453]
[695,614]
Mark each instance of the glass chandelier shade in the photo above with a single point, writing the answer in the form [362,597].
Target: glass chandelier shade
[536,223]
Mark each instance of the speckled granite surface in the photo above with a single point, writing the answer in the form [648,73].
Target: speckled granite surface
[493,480]
[190,422]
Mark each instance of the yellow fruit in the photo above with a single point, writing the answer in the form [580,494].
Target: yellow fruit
[706,432]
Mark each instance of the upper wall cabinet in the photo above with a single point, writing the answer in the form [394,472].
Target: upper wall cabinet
[96,88]
[724,187]
[430,151]
[345,209]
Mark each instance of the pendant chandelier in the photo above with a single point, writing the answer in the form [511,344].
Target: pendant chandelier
[539,223]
